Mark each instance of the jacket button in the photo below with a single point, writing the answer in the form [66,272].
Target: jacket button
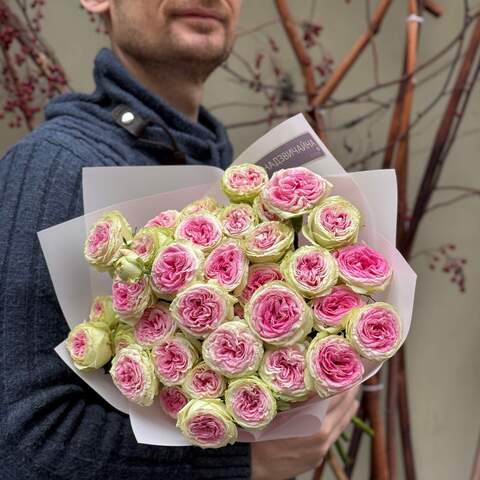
[127,118]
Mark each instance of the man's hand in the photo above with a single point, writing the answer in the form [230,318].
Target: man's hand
[283,459]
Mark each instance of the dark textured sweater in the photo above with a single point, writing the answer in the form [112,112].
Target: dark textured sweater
[53,425]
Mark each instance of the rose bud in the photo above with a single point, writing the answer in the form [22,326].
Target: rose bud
[333,224]
[228,265]
[292,192]
[207,424]
[268,242]
[233,350]
[334,364]
[175,267]
[374,330]
[104,240]
[172,400]
[363,269]
[205,204]
[89,345]
[201,308]
[173,357]
[259,275]
[132,373]
[310,270]
[250,402]
[262,211]
[330,311]
[238,220]
[166,219]
[242,183]
[101,310]
[129,267]
[123,336]
[131,299]
[284,371]
[203,382]
[202,229]
[278,314]
[148,241]
[154,325]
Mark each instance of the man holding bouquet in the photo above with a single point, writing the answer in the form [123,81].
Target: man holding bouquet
[146,110]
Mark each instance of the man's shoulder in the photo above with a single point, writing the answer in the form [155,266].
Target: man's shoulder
[49,140]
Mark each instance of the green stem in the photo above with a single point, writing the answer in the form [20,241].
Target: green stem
[359,423]
[345,436]
[342,454]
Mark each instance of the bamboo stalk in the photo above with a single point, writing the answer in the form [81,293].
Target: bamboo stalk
[476,463]
[298,47]
[409,462]
[351,57]
[441,145]
[433,8]
[354,445]
[379,463]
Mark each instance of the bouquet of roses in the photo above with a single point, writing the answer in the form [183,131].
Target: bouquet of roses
[229,315]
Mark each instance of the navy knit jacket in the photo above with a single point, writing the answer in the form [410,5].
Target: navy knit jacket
[53,425]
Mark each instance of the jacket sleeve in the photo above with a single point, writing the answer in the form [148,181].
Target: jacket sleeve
[61,427]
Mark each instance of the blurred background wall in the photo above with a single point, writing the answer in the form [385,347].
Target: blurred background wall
[443,347]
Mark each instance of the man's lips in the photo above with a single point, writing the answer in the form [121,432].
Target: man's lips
[200,14]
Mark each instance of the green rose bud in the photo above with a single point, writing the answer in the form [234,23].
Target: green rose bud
[148,241]
[123,336]
[207,424]
[333,224]
[129,267]
[89,345]
[105,238]
[102,311]
[250,402]
[310,270]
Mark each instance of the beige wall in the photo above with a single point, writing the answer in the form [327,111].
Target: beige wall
[443,347]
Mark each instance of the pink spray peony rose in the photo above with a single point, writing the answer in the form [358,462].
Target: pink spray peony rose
[132,373]
[278,314]
[310,270]
[154,325]
[130,299]
[268,242]
[233,350]
[259,275]
[363,269]
[175,267]
[329,311]
[172,400]
[202,229]
[250,402]
[283,370]
[206,423]
[294,191]
[242,183]
[238,220]
[165,219]
[201,308]
[374,330]
[228,265]
[173,357]
[203,382]
[334,364]
[262,211]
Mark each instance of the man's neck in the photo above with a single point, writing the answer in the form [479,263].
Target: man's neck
[177,89]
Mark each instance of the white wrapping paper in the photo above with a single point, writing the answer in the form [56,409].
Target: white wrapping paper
[141,192]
